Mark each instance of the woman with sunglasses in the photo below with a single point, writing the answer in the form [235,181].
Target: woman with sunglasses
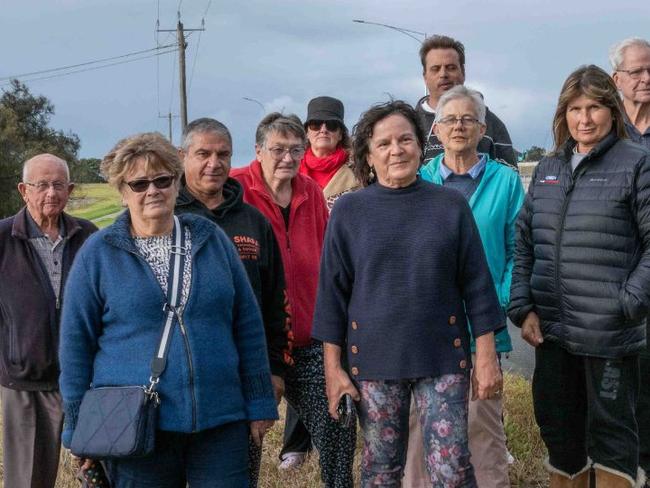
[327,156]
[217,384]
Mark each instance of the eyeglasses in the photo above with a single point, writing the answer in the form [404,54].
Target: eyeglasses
[296,152]
[636,73]
[465,121]
[43,186]
[330,125]
[160,182]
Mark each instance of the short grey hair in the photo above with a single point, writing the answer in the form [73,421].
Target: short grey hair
[202,126]
[282,124]
[27,164]
[617,51]
[459,92]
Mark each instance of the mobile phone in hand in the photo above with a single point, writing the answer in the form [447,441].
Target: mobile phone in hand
[345,409]
[94,476]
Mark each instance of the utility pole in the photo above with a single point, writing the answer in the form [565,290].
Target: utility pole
[169,117]
[182,45]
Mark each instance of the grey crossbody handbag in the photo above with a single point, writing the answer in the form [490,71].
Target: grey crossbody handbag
[120,421]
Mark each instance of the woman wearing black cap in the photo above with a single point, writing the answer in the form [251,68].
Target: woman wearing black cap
[327,155]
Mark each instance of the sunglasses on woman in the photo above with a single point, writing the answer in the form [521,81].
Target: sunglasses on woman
[330,125]
[160,182]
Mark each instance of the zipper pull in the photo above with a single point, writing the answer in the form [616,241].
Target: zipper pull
[58,303]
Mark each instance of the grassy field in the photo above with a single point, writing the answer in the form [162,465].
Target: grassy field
[523,441]
[97,202]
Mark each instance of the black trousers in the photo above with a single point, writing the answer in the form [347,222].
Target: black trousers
[585,407]
[643,407]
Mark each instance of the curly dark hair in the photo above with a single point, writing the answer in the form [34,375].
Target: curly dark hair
[362,133]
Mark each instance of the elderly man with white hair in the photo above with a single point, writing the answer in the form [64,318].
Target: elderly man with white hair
[37,246]
[630,60]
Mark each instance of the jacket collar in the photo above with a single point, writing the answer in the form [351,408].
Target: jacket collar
[602,147]
[119,233]
[298,186]
[233,197]
[20,227]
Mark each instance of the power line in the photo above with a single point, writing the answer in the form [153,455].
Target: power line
[59,75]
[64,68]
[196,56]
[206,9]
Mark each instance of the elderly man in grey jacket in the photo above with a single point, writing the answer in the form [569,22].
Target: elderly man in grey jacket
[37,246]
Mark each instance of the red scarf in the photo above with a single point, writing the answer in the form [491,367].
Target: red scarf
[322,169]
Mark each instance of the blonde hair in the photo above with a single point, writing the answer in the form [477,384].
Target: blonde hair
[152,147]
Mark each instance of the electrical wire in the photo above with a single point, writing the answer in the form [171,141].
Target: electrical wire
[207,8]
[64,68]
[59,75]
[196,56]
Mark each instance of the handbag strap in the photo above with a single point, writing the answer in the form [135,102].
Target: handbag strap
[174,285]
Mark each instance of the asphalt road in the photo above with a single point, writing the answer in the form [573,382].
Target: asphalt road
[522,358]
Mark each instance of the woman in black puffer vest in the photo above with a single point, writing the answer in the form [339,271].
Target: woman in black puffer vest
[581,284]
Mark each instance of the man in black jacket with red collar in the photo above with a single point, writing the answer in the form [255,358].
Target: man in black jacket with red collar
[37,247]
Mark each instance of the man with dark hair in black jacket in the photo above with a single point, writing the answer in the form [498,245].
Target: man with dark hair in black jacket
[443,67]
[37,247]
[208,191]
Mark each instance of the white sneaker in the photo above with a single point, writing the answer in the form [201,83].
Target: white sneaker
[292,460]
[511,458]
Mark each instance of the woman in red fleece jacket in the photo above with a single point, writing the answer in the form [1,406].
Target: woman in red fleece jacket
[295,206]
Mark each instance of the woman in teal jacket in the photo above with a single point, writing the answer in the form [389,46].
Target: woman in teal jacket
[495,195]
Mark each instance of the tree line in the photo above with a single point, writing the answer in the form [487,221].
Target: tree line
[24,132]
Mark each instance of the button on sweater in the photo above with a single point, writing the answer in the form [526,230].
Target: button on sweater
[395,291]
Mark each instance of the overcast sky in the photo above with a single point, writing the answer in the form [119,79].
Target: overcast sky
[283,53]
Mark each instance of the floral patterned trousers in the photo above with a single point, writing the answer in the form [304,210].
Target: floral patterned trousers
[442,410]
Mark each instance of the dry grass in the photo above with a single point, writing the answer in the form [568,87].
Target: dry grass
[523,441]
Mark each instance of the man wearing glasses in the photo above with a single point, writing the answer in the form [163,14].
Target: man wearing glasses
[443,67]
[37,247]
[630,60]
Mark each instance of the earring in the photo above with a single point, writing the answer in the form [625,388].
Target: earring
[371,174]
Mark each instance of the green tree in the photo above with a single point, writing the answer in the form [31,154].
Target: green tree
[535,153]
[86,170]
[25,132]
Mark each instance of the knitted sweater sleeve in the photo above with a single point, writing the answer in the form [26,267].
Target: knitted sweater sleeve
[334,284]
[251,344]
[80,328]
[479,295]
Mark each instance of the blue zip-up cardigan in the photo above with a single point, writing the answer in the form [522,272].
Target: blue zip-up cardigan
[495,205]
[112,321]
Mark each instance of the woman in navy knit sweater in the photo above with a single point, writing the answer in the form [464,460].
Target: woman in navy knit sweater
[395,292]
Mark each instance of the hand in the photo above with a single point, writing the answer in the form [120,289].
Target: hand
[258,429]
[81,463]
[278,387]
[487,380]
[530,331]
[338,383]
